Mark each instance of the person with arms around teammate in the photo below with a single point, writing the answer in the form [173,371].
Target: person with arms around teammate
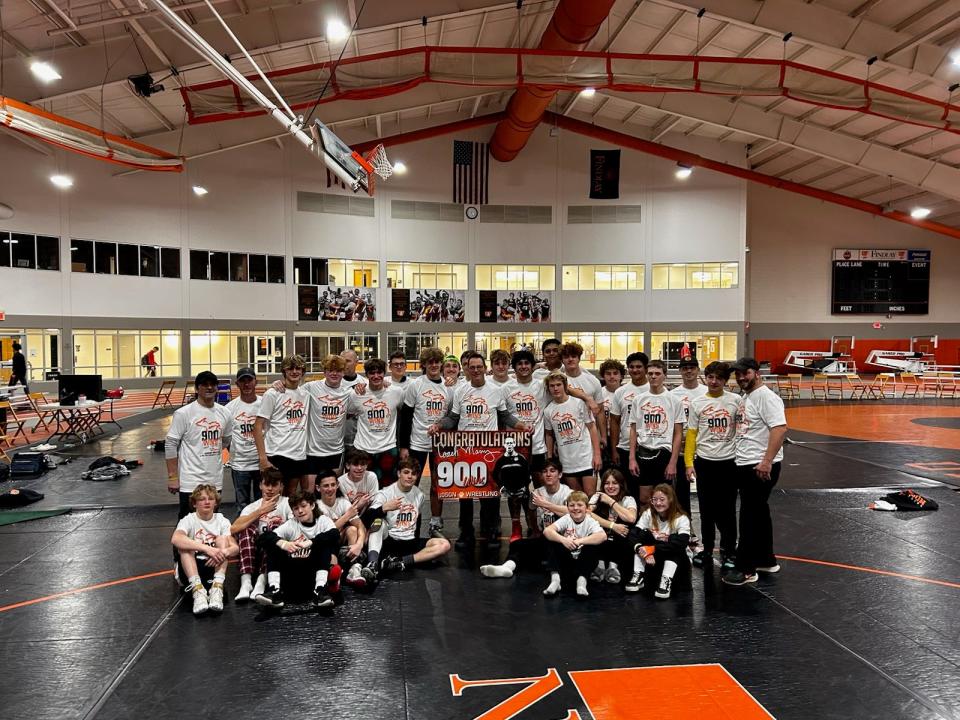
[660,540]
[620,406]
[656,426]
[280,431]
[572,436]
[244,463]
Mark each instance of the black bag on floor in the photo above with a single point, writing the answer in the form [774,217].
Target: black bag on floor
[908,499]
[18,497]
[4,472]
[26,464]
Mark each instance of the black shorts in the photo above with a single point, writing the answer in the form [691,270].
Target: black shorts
[652,467]
[579,473]
[288,467]
[317,464]
[205,572]
[392,546]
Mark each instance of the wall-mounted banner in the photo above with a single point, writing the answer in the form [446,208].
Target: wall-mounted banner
[333,303]
[431,306]
[515,306]
[466,462]
[604,174]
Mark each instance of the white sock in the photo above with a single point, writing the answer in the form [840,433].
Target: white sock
[246,580]
[602,566]
[260,585]
[504,571]
[321,578]
[669,568]
[554,586]
[219,578]
[638,564]
[273,579]
[435,520]
[612,566]
[582,586]
[194,582]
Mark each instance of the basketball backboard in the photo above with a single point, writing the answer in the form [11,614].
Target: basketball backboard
[351,167]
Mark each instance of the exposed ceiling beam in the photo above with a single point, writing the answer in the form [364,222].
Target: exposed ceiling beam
[923,37]
[34,145]
[21,49]
[627,19]
[663,126]
[95,107]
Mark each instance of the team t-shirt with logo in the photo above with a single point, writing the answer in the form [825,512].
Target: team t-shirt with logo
[620,406]
[607,399]
[715,420]
[429,401]
[204,531]
[477,406]
[566,526]
[200,431]
[243,451]
[368,485]
[376,412]
[570,422]
[687,395]
[402,522]
[527,402]
[654,417]
[282,511]
[547,517]
[294,531]
[759,411]
[679,526]
[335,511]
[588,383]
[328,417]
[287,414]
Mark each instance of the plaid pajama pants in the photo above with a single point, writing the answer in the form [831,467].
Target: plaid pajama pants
[252,561]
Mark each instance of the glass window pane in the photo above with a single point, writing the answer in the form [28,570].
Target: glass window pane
[149,261]
[678,276]
[128,259]
[602,277]
[106,258]
[199,265]
[371,274]
[499,277]
[301,271]
[569,278]
[531,277]
[320,272]
[586,279]
[711,275]
[219,266]
[23,250]
[170,262]
[238,267]
[81,256]
[483,277]
[661,277]
[548,277]
[460,277]
[394,274]
[694,276]
[637,281]
[48,253]
[336,272]
[4,249]
[731,272]
[258,268]
[276,269]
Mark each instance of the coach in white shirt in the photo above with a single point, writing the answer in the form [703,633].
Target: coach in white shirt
[761,430]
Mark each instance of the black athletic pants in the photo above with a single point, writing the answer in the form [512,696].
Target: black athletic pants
[717,496]
[300,570]
[756,528]
[561,560]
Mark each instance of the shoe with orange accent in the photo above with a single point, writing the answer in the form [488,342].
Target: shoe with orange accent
[516,532]
[333,579]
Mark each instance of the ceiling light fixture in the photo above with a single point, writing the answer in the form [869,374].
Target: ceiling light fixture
[62,181]
[400,167]
[337,31]
[919,213]
[44,71]
[683,171]
[200,190]
[588,92]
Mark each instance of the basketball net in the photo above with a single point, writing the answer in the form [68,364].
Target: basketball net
[380,164]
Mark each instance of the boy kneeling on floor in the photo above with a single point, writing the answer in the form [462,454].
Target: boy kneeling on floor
[204,545]
[299,551]
[399,506]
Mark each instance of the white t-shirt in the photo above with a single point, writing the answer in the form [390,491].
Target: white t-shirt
[686,396]
[282,511]
[527,402]
[546,517]
[328,417]
[496,383]
[243,451]
[376,413]
[627,502]
[714,419]
[350,427]
[607,396]
[654,417]
[540,374]
[287,414]
[620,406]
[477,406]
[569,422]
[336,511]
[588,383]
[200,431]
[367,486]
[680,526]
[429,401]
[402,522]
[293,531]
[204,531]
[759,411]
[568,528]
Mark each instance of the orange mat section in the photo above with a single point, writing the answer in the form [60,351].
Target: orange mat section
[679,692]
[877,423]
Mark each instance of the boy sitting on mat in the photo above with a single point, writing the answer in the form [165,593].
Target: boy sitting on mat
[267,513]
[573,545]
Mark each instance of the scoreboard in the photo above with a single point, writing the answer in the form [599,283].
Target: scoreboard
[881,282]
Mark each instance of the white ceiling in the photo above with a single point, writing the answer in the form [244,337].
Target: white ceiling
[857,155]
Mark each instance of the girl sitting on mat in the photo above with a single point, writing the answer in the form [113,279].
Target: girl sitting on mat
[660,541]
[572,545]
[616,512]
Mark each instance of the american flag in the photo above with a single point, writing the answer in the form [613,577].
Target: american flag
[471,172]
[334,180]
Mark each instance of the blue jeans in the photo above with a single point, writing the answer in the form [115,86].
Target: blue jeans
[246,485]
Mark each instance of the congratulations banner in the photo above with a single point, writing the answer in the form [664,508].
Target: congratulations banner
[465,461]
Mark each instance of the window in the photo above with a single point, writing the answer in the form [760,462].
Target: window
[23,251]
[238,267]
[258,268]
[4,249]
[81,256]
[116,353]
[515,277]
[429,276]
[170,262]
[410,344]
[705,345]
[301,272]
[486,343]
[345,273]
[601,346]
[48,253]
[149,261]
[603,277]
[199,265]
[314,347]
[276,269]
[696,276]
[226,351]
[219,266]
[29,252]
[128,259]
[41,348]
[105,258]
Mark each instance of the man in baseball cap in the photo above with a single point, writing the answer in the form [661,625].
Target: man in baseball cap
[244,462]
[744,364]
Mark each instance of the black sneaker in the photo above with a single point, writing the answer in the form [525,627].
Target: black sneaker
[493,540]
[369,574]
[466,540]
[391,564]
[736,577]
[322,598]
[704,558]
[273,597]
[729,562]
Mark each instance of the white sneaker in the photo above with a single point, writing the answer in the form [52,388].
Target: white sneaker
[259,587]
[613,575]
[582,587]
[770,569]
[353,574]
[200,603]
[215,598]
[598,572]
[663,592]
[246,587]
[635,583]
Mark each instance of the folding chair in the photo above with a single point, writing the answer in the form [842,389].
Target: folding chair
[44,417]
[948,384]
[911,384]
[187,395]
[3,453]
[795,384]
[930,384]
[12,419]
[163,394]
[819,385]
[858,389]
[878,388]
[834,387]
[784,388]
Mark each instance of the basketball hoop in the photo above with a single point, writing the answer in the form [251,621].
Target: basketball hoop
[377,160]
